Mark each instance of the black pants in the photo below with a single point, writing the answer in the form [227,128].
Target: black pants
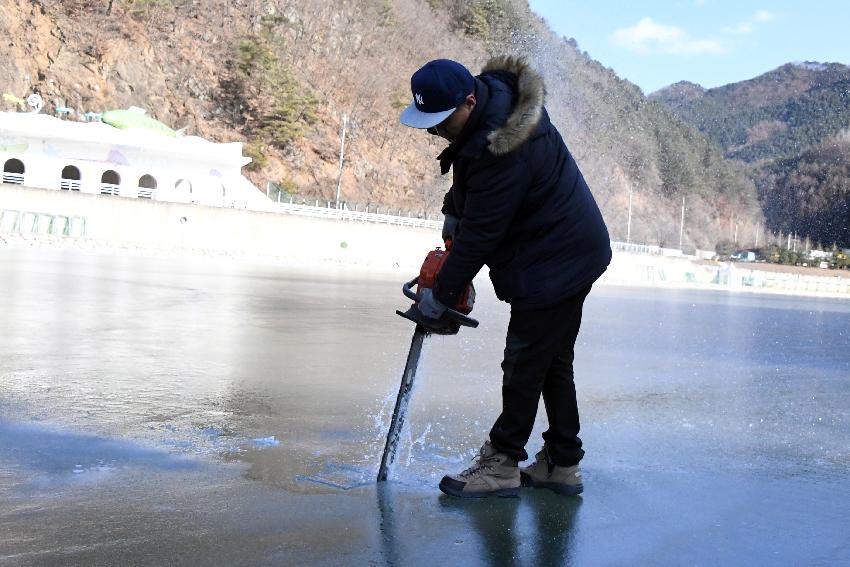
[539,360]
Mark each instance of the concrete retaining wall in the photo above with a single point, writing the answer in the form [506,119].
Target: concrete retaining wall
[174,227]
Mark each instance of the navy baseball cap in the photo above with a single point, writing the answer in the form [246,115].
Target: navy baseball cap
[438,88]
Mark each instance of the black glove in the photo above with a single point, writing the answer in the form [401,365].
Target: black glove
[429,306]
[450,227]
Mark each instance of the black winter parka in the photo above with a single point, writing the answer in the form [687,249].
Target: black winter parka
[524,207]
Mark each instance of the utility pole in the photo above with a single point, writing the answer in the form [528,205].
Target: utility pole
[341,157]
[682,225]
[758,230]
[629,225]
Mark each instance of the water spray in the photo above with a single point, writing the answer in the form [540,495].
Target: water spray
[449,324]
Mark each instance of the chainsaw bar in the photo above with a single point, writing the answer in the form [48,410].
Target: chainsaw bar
[402,401]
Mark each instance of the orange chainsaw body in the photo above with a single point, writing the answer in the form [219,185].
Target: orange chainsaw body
[428,278]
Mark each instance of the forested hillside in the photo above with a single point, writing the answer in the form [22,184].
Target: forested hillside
[810,194]
[280,75]
[790,126]
[798,105]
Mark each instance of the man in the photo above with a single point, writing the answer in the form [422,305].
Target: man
[519,204]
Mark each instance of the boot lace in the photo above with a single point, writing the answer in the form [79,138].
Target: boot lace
[482,464]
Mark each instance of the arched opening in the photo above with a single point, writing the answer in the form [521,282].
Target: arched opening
[147,182]
[13,172]
[147,187]
[183,186]
[110,183]
[14,165]
[70,179]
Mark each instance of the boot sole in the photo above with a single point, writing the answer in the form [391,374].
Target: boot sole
[556,487]
[501,493]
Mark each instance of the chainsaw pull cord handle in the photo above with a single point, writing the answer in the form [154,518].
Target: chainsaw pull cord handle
[453,314]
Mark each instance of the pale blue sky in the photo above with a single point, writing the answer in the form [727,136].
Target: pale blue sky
[710,42]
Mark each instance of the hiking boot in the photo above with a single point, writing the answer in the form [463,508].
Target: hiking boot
[493,474]
[542,473]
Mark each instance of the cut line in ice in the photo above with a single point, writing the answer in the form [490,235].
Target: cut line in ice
[341,476]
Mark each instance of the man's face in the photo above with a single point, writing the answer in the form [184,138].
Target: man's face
[451,127]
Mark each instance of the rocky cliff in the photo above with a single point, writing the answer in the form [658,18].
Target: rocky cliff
[282,75]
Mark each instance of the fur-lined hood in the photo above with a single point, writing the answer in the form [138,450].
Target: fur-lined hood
[529,106]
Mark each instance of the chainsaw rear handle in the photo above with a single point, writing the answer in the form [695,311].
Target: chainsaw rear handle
[453,314]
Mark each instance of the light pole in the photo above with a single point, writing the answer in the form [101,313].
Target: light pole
[682,225]
[629,225]
[341,157]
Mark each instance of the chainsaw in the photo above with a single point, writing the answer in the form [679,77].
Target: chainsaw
[449,323]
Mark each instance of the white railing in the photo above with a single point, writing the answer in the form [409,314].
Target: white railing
[636,248]
[69,185]
[13,178]
[344,214]
[146,193]
[109,189]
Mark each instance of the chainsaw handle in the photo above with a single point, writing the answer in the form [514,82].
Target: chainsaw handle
[407,289]
[453,314]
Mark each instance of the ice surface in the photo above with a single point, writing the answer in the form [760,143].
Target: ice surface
[228,414]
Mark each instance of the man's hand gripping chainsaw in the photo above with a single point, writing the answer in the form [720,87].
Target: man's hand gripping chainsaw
[453,317]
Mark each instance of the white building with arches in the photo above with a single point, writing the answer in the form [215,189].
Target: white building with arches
[41,151]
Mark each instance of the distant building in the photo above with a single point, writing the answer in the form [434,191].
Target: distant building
[819,254]
[41,151]
[743,256]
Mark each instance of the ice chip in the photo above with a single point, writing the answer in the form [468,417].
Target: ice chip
[266,442]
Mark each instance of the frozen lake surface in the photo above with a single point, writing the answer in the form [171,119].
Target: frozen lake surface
[203,412]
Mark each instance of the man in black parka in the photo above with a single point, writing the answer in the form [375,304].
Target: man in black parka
[519,204]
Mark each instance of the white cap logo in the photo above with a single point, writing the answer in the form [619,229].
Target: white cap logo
[418,98]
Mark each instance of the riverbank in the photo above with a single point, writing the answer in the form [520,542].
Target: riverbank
[44,219]
[658,271]
[626,269]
